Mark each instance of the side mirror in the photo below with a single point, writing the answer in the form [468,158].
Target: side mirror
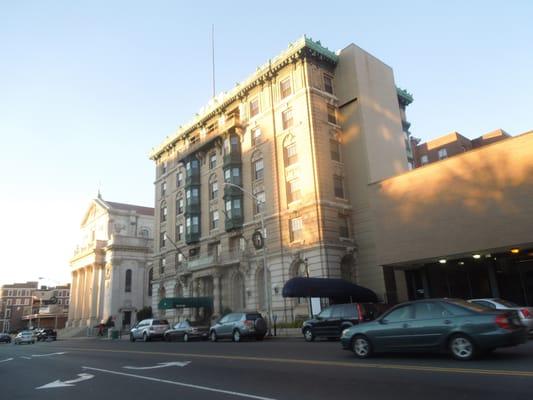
[383,321]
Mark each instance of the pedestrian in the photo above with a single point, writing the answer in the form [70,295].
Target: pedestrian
[101,329]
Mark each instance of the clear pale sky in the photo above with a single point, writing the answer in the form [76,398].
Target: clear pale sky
[88,88]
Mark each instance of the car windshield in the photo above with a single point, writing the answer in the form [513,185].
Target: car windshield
[506,303]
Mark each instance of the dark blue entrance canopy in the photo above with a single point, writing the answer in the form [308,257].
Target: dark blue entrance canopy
[327,287]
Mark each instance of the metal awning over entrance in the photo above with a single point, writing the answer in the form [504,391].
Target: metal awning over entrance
[185,302]
[327,287]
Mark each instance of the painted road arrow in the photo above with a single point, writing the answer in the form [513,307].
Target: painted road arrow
[56,384]
[163,365]
[7,359]
[49,354]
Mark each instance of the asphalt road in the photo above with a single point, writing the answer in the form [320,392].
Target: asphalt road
[273,369]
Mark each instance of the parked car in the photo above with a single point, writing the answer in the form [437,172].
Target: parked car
[525,313]
[25,337]
[149,329]
[461,328]
[331,321]
[187,330]
[239,325]
[5,338]
[44,334]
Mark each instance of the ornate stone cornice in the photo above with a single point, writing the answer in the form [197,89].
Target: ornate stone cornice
[404,97]
[303,47]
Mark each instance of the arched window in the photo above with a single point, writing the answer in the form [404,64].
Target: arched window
[290,152]
[150,279]
[128,281]
[347,268]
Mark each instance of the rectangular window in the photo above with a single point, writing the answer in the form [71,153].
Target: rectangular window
[443,154]
[424,159]
[286,118]
[295,229]
[332,114]
[344,230]
[334,150]
[328,83]
[258,169]
[291,154]
[17,302]
[338,184]
[179,179]
[256,136]
[26,302]
[163,188]
[213,160]
[163,213]
[179,232]
[228,209]
[164,168]
[260,203]
[214,191]
[179,206]
[293,190]
[8,302]
[214,219]
[285,88]
[254,107]
[162,239]
[162,265]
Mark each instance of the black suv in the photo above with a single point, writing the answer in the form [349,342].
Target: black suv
[333,320]
[45,334]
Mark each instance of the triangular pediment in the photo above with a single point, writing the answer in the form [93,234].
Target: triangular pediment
[95,208]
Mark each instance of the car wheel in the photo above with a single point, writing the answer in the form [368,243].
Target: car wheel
[213,336]
[132,338]
[185,337]
[146,338]
[309,335]
[236,336]
[361,346]
[462,347]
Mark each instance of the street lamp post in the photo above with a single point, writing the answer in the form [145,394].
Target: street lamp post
[263,233]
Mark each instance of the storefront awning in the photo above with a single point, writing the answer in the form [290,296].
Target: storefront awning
[185,302]
[327,287]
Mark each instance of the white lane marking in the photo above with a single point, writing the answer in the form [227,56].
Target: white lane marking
[6,360]
[26,358]
[49,354]
[162,365]
[207,388]
[72,382]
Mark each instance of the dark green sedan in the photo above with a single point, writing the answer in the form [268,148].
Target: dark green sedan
[464,329]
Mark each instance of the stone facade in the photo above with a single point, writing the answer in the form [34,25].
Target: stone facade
[111,265]
[290,136]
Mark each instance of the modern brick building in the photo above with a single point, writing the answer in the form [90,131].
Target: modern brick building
[303,137]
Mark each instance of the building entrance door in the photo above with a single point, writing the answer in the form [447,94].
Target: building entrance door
[126,320]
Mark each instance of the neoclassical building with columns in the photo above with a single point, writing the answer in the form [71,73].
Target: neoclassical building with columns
[295,145]
[111,265]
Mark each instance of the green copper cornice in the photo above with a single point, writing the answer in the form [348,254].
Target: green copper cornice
[404,96]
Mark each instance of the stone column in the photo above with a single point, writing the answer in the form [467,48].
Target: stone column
[216,294]
[101,293]
[73,293]
[84,298]
[79,296]
[93,312]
